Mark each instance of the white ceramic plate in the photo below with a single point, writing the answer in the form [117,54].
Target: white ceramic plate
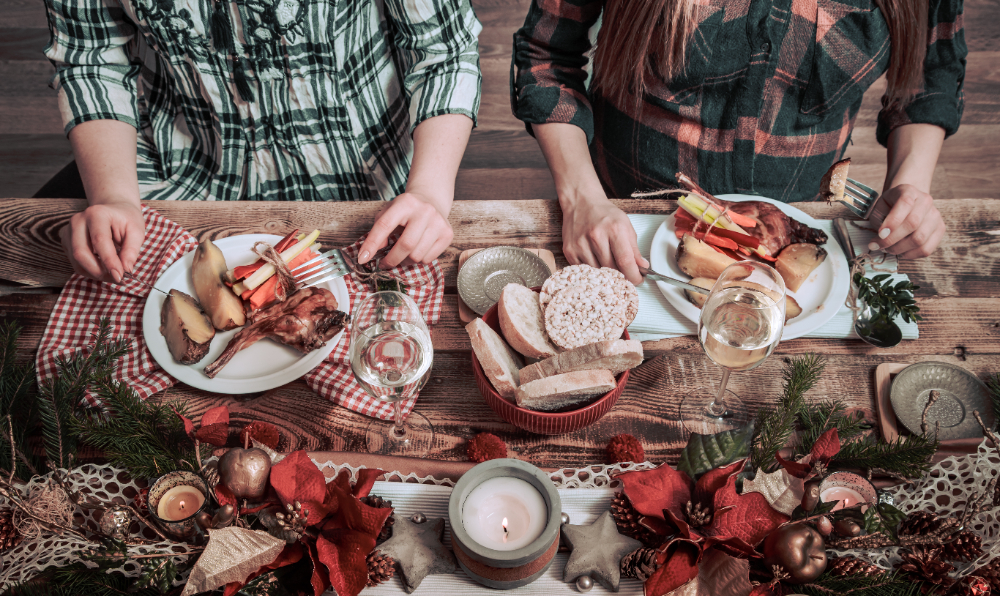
[264,365]
[820,297]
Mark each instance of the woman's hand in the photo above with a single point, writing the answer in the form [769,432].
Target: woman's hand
[103,241]
[426,231]
[599,234]
[914,227]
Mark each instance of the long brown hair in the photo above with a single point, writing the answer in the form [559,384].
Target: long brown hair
[640,39]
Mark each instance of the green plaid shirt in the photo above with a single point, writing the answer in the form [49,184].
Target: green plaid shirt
[766,105]
[335,89]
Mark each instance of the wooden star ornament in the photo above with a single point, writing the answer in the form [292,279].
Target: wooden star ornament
[418,550]
[597,551]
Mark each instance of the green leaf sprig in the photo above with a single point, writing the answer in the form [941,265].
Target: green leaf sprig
[888,300]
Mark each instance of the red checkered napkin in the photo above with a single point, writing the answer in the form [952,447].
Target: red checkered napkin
[84,302]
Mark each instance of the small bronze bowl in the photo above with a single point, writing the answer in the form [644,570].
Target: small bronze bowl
[181,529]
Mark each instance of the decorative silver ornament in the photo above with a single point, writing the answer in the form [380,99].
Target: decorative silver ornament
[418,518]
[564,518]
[884,497]
[584,583]
[115,522]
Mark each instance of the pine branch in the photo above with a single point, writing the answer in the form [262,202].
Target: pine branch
[817,419]
[76,579]
[774,427]
[888,584]
[17,383]
[909,457]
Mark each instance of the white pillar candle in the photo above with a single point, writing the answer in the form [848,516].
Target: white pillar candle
[846,496]
[499,499]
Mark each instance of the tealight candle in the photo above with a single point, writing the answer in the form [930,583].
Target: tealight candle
[180,502]
[504,513]
[846,496]
[849,489]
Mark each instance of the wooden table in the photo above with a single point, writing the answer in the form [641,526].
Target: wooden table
[959,299]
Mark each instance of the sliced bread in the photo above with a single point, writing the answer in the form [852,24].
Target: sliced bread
[522,322]
[500,363]
[614,355]
[560,391]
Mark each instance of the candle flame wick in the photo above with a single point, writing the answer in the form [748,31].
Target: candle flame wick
[504,524]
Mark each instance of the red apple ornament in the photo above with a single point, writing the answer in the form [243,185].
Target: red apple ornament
[799,550]
[245,472]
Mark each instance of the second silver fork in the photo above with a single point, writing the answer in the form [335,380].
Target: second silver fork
[328,265]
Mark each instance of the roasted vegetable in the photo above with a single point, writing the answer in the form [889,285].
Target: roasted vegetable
[698,259]
[697,299]
[224,308]
[797,261]
[186,327]
[792,308]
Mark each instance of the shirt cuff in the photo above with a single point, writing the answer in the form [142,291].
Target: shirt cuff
[96,93]
[935,108]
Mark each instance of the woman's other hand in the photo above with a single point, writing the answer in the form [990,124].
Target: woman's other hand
[103,241]
[426,231]
[598,233]
[914,227]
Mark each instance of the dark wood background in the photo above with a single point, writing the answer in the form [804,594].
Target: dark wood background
[960,295]
[33,146]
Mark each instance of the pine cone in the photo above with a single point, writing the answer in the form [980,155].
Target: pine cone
[640,564]
[627,519]
[964,546]
[970,585]
[9,536]
[380,567]
[925,563]
[919,522]
[991,573]
[848,566]
[378,502]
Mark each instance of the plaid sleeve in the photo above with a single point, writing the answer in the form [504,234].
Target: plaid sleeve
[548,80]
[941,100]
[437,44]
[95,77]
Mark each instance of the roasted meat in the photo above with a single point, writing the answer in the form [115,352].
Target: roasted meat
[774,229]
[306,321]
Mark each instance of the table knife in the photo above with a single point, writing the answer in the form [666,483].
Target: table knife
[672,281]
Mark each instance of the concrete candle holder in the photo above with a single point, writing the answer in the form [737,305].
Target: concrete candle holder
[505,570]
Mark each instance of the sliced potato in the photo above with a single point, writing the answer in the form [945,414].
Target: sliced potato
[186,327]
[698,259]
[207,274]
[797,261]
[834,182]
[697,299]
[792,308]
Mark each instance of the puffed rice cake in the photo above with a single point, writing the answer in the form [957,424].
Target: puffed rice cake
[596,278]
[582,314]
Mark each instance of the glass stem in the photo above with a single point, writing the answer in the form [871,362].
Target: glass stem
[718,409]
[398,428]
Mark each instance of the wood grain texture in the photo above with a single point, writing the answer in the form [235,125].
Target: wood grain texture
[28,160]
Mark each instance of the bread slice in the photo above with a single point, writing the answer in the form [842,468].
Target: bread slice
[499,362]
[522,322]
[560,391]
[614,355]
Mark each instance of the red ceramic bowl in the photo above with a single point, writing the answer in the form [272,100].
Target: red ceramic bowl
[543,423]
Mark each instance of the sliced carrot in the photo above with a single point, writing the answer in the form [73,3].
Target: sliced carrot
[264,295]
[742,239]
[718,250]
[717,241]
[732,254]
[741,220]
[767,257]
[682,215]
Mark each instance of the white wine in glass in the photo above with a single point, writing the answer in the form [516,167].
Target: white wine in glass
[391,356]
[740,325]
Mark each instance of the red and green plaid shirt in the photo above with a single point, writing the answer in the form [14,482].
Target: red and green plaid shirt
[767,103]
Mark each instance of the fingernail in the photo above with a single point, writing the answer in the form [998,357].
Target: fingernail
[363,256]
[884,233]
[873,246]
[116,276]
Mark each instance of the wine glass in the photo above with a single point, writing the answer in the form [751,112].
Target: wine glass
[740,325]
[391,356]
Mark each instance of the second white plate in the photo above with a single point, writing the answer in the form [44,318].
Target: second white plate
[820,297]
[264,365]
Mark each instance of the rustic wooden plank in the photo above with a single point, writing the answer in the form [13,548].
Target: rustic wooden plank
[17,43]
[28,14]
[981,31]
[647,409]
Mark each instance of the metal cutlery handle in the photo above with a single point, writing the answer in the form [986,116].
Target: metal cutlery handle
[844,236]
[670,280]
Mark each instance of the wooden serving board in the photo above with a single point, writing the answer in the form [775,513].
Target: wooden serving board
[465,313]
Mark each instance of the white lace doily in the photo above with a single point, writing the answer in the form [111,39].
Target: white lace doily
[945,491]
[109,485]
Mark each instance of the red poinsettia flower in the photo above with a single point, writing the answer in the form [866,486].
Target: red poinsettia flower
[214,426]
[738,522]
[823,450]
[341,530]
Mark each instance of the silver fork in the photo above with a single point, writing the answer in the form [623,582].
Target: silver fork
[328,265]
[864,201]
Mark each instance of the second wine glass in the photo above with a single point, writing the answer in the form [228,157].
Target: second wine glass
[391,356]
[740,325]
